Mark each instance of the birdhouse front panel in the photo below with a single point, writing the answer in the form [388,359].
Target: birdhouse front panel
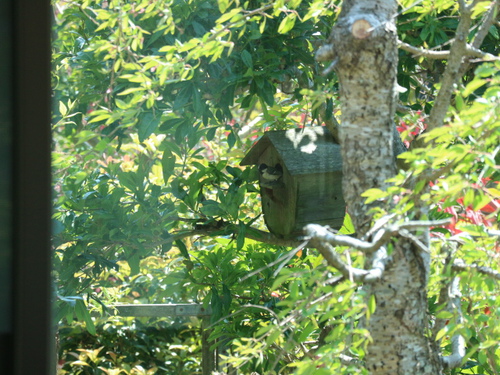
[300,179]
[277,195]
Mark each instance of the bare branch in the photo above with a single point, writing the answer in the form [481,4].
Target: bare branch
[418,51]
[474,52]
[323,239]
[451,75]
[380,259]
[380,236]
[330,122]
[416,224]
[321,234]
[493,232]
[460,265]
[458,62]
[283,260]
[454,360]
[326,53]
[330,68]
[470,51]
[225,228]
[416,241]
[484,28]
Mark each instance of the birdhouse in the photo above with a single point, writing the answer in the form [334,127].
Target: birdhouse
[300,179]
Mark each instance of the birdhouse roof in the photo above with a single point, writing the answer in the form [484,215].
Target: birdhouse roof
[303,150]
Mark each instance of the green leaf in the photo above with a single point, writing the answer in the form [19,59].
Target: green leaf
[469,198]
[373,195]
[212,208]
[134,264]
[309,328]
[372,305]
[240,239]
[287,23]
[444,314]
[130,90]
[488,343]
[148,123]
[480,200]
[121,104]
[216,305]
[494,32]
[273,336]
[211,133]
[226,299]
[99,116]
[83,314]
[267,93]
[198,104]
[473,86]
[171,123]
[231,139]
[442,332]
[63,110]
[247,58]
[167,164]
[229,15]
[223,5]
[348,226]
[183,249]
[129,180]
[183,97]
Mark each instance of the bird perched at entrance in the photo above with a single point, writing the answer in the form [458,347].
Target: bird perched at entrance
[270,176]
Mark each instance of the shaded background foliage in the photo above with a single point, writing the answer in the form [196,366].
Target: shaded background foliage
[155,104]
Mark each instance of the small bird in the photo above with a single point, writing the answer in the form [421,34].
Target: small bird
[270,176]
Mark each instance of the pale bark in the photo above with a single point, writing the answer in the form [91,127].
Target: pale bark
[363,48]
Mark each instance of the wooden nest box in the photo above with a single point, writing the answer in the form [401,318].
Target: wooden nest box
[300,179]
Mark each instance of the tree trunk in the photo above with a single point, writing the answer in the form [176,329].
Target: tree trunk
[363,47]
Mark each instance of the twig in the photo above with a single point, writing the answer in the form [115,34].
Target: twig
[283,260]
[214,34]
[418,51]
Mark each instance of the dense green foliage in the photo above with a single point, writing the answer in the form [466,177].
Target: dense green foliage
[155,104]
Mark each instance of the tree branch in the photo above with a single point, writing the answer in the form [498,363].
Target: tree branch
[459,265]
[470,51]
[380,259]
[323,239]
[452,73]
[458,63]
[454,360]
[482,32]
[319,233]
[225,228]
[380,235]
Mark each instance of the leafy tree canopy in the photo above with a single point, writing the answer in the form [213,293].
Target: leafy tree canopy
[155,105]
